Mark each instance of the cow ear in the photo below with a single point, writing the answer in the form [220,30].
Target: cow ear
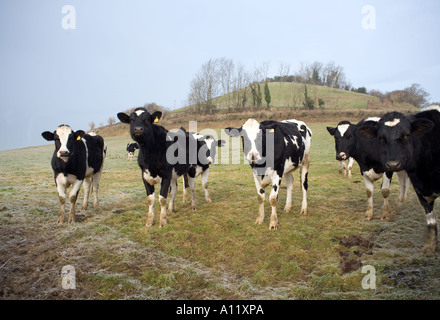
[155,117]
[367,132]
[123,117]
[233,132]
[79,134]
[269,128]
[221,143]
[49,136]
[331,130]
[421,126]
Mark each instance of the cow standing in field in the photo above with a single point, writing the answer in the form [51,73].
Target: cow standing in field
[275,149]
[411,143]
[131,148]
[367,155]
[157,163]
[206,151]
[77,157]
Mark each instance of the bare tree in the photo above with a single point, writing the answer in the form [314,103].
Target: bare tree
[91,126]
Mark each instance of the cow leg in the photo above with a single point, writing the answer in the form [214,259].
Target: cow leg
[150,196]
[350,166]
[261,196]
[276,181]
[289,184]
[76,186]
[61,184]
[405,184]
[192,173]
[385,190]
[185,187]
[205,175]
[304,183]
[95,181]
[430,245]
[173,188]
[370,188]
[164,187]
[87,184]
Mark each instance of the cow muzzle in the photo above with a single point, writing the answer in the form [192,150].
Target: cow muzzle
[341,156]
[64,155]
[393,166]
[253,157]
[138,131]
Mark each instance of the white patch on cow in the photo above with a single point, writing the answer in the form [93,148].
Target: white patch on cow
[150,179]
[252,128]
[393,123]
[63,133]
[343,129]
[139,112]
[435,107]
[289,166]
[374,119]
[372,175]
[430,219]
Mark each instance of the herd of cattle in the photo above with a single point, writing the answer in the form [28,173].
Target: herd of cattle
[408,145]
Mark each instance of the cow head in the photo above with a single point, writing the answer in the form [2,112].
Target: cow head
[64,138]
[345,139]
[141,123]
[253,136]
[211,147]
[396,134]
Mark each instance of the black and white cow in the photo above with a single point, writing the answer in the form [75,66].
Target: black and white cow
[131,148]
[411,143]
[206,150]
[158,164]
[367,155]
[77,157]
[275,149]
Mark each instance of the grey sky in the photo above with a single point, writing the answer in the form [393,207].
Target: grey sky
[123,54]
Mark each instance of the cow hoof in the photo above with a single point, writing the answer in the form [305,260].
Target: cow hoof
[428,250]
[369,215]
[162,223]
[303,212]
[60,221]
[259,221]
[208,200]
[273,227]
[287,209]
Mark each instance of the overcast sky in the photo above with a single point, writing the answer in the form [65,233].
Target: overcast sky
[123,54]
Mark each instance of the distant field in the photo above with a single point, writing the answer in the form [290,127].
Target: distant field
[216,252]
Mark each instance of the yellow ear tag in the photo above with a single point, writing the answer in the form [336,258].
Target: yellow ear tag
[79,138]
[272,130]
[156,120]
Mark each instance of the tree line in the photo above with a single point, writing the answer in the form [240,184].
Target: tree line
[242,88]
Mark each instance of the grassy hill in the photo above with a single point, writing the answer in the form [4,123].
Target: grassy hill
[287,99]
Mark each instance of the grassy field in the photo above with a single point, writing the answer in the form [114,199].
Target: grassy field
[216,252]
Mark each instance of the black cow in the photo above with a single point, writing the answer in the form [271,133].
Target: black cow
[160,160]
[366,153]
[411,143]
[131,148]
[206,151]
[77,157]
[274,149]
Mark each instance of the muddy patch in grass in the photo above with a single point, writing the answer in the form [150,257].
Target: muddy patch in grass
[351,249]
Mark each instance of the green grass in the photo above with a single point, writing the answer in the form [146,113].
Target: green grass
[217,252]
